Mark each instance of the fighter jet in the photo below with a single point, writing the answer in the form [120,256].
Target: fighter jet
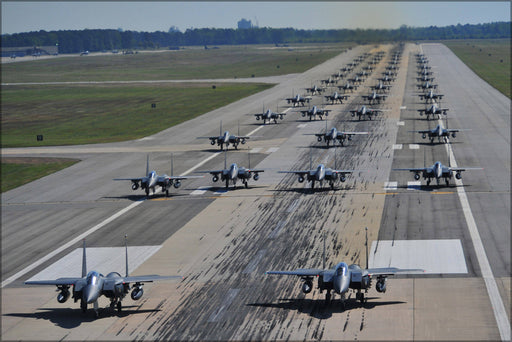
[338,75]
[342,278]
[438,171]
[348,87]
[433,110]
[298,100]
[357,79]
[374,97]
[386,79]
[365,111]
[346,69]
[425,72]
[424,79]
[321,174]
[438,132]
[152,180]
[427,85]
[381,87]
[269,115]
[314,90]
[335,98]
[88,288]
[314,111]
[234,173]
[329,81]
[333,134]
[226,138]
[430,95]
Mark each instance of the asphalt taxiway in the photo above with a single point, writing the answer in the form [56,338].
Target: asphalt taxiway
[223,242]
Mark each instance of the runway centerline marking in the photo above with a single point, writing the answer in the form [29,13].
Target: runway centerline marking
[69,244]
[490,283]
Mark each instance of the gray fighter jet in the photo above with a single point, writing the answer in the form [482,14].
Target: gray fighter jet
[152,180]
[438,132]
[226,138]
[314,111]
[333,134]
[433,110]
[298,100]
[381,87]
[365,112]
[348,86]
[335,98]
[343,277]
[386,79]
[234,173]
[427,85]
[329,81]
[438,171]
[430,96]
[374,97]
[88,288]
[269,115]
[314,90]
[321,174]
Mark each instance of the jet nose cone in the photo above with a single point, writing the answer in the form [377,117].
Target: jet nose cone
[90,294]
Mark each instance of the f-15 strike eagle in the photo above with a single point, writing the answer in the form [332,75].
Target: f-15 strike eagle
[336,98]
[433,110]
[314,111]
[226,138]
[338,75]
[269,115]
[427,85]
[348,86]
[343,278]
[380,87]
[438,171]
[386,79]
[153,180]
[438,132]
[374,97]
[430,96]
[424,79]
[321,174]
[234,173]
[92,285]
[329,81]
[298,100]
[365,112]
[314,90]
[357,79]
[333,134]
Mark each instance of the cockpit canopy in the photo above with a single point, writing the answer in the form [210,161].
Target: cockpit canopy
[341,269]
[92,278]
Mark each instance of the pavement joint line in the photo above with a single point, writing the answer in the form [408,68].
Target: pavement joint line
[69,244]
[498,308]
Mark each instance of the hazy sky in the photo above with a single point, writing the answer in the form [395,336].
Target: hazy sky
[24,16]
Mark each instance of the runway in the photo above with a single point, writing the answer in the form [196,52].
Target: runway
[223,242]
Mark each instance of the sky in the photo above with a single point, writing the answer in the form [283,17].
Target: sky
[24,16]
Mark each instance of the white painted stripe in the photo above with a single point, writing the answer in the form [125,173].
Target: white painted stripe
[414,185]
[200,164]
[256,150]
[400,123]
[403,107]
[301,125]
[293,206]
[498,308]
[397,146]
[70,243]
[200,191]
[414,147]
[272,149]
[390,185]
[254,130]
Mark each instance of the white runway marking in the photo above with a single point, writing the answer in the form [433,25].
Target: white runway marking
[70,243]
[301,125]
[397,146]
[256,150]
[101,259]
[400,123]
[414,147]
[254,130]
[390,185]
[272,149]
[293,206]
[403,107]
[434,256]
[414,185]
[217,315]
[200,191]
[490,283]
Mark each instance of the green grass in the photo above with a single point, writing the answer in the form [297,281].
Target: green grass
[226,62]
[488,58]
[67,115]
[18,171]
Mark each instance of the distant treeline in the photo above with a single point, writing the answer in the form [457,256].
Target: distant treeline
[73,41]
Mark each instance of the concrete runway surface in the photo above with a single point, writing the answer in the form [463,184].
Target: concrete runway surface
[222,242]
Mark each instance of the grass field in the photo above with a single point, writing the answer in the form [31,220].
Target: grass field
[191,63]
[488,58]
[87,114]
[18,171]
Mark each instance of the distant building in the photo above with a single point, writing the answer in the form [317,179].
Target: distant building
[244,24]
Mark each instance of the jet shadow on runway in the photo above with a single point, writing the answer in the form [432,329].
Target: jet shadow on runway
[316,307]
[69,318]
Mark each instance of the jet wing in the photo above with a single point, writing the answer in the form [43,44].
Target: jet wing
[161,179]
[312,272]
[139,179]
[298,172]
[213,172]
[148,278]
[252,170]
[419,169]
[59,281]
[390,271]
[351,133]
[344,171]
